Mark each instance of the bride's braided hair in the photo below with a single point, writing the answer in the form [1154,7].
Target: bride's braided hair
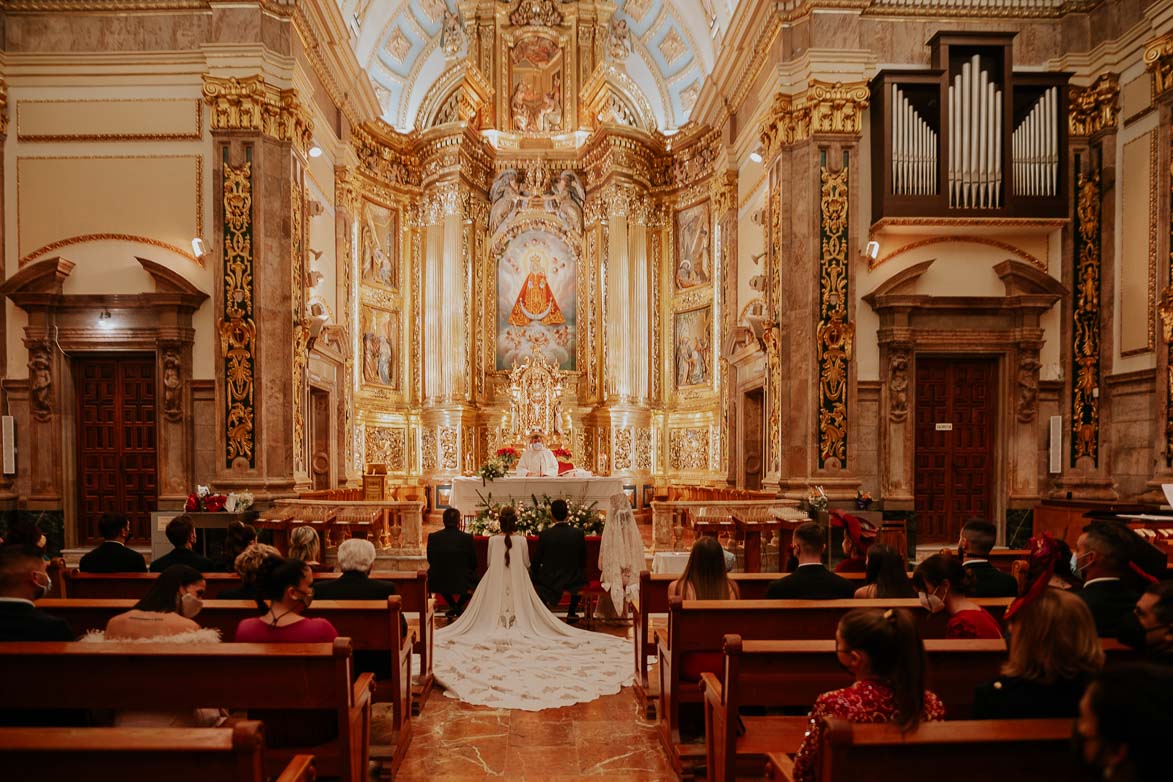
[508,521]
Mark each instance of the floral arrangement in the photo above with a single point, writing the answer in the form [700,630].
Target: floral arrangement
[818,501]
[564,457]
[509,455]
[202,500]
[534,517]
[863,499]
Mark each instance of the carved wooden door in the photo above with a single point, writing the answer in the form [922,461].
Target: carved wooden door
[116,451]
[955,411]
[320,439]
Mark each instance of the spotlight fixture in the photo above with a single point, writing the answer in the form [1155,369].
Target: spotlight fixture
[197,247]
[315,151]
[872,251]
[756,155]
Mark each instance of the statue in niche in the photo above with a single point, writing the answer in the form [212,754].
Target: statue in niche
[452,36]
[41,382]
[566,200]
[535,97]
[504,198]
[618,39]
[536,303]
[172,385]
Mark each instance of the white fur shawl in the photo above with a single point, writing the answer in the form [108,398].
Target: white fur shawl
[205,635]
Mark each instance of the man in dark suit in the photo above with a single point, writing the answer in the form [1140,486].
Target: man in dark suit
[23,581]
[1101,559]
[811,580]
[977,541]
[559,563]
[452,563]
[113,556]
[182,534]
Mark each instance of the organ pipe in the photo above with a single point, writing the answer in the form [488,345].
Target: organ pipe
[975,138]
[914,149]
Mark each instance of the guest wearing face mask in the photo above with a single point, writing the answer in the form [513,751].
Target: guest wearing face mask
[1150,628]
[23,581]
[1101,560]
[165,615]
[943,585]
[538,460]
[285,588]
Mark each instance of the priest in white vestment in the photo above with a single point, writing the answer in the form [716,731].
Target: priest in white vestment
[537,460]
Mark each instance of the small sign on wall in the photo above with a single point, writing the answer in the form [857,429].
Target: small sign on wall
[944,427]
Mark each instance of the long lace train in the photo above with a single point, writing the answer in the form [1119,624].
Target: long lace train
[508,651]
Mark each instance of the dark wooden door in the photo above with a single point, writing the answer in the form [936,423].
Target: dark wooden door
[320,438]
[116,457]
[753,437]
[955,409]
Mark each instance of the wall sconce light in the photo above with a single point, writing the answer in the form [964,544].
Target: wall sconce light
[872,250]
[756,155]
[197,247]
[315,151]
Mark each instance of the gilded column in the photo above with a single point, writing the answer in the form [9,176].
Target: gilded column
[1092,124]
[346,211]
[1158,57]
[259,131]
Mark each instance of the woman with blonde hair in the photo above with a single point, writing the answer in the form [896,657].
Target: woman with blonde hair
[246,565]
[304,545]
[1054,653]
[704,575]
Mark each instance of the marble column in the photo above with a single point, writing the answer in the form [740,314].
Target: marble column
[260,133]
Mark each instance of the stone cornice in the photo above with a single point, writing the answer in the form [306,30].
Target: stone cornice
[823,109]
[1094,108]
[283,8]
[326,41]
[250,104]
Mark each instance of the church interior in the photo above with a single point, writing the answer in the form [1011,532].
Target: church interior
[736,265]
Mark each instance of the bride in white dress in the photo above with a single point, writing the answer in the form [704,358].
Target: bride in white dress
[508,651]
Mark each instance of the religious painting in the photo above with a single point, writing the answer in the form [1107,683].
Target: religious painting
[443,496]
[379,243]
[380,347]
[693,249]
[693,344]
[536,301]
[649,495]
[535,85]
[629,492]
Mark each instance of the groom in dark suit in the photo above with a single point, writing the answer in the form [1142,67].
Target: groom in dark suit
[559,562]
[452,563]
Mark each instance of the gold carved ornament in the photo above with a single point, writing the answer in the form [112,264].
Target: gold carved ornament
[1085,410]
[1167,327]
[3,108]
[238,329]
[1158,58]
[834,334]
[824,108]
[301,327]
[1094,108]
[252,105]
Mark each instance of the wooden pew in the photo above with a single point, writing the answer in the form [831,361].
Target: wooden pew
[370,625]
[698,627]
[146,676]
[972,751]
[233,754]
[412,588]
[795,673]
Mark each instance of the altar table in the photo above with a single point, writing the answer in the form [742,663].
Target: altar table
[584,491]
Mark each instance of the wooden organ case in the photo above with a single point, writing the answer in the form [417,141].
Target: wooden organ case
[969,137]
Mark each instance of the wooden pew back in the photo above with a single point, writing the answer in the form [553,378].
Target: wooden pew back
[233,754]
[172,676]
[1005,750]
[411,586]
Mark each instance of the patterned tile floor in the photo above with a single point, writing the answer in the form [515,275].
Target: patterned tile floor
[604,739]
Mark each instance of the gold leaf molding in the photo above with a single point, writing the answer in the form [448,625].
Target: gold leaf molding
[253,105]
[824,108]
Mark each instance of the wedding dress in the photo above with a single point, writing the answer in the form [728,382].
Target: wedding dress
[508,651]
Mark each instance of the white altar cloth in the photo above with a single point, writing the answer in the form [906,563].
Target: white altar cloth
[584,491]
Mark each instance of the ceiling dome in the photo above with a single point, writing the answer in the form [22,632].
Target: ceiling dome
[673,48]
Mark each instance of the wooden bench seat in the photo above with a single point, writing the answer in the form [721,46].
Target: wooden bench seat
[965,751]
[168,676]
[233,754]
[371,626]
[418,606]
[698,627]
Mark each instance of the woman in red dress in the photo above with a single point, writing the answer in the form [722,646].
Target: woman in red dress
[944,585]
[884,652]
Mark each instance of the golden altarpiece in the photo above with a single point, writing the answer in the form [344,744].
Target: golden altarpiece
[536,214]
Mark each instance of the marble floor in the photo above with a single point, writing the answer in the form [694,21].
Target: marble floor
[604,739]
